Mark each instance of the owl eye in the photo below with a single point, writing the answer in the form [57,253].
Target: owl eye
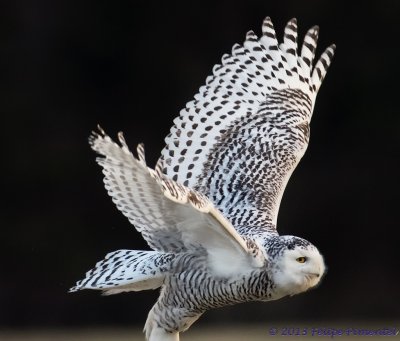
[301,259]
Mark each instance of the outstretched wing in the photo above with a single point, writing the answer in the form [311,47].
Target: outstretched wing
[246,130]
[170,216]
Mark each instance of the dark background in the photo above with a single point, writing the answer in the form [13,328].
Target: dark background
[67,65]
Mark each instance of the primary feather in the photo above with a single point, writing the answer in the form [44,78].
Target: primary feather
[209,209]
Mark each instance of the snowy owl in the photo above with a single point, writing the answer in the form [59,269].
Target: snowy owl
[209,208]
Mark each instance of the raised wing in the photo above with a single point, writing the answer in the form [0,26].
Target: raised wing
[170,216]
[243,135]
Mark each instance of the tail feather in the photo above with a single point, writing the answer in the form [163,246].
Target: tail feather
[127,270]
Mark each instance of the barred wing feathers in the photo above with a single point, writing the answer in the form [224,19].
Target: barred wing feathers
[170,216]
[242,136]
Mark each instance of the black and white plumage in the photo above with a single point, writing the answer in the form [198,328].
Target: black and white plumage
[209,209]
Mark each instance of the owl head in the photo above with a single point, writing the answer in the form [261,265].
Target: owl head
[297,265]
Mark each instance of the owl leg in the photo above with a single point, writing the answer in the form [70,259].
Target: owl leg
[165,323]
[159,334]
[155,331]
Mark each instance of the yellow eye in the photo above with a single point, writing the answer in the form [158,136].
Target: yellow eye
[301,259]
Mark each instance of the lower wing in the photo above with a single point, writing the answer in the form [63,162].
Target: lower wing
[170,216]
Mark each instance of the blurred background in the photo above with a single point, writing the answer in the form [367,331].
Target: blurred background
[66,66]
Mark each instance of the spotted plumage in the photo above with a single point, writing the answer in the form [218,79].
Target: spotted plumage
[209,208]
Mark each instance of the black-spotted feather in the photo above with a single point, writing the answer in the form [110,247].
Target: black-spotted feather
[260,98]
[170,216]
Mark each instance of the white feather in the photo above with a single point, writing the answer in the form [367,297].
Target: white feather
[170,216]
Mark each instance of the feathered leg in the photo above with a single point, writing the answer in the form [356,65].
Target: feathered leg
[159,334]
[156,333]
[165,323]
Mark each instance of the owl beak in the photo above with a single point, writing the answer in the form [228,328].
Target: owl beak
[314,274]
